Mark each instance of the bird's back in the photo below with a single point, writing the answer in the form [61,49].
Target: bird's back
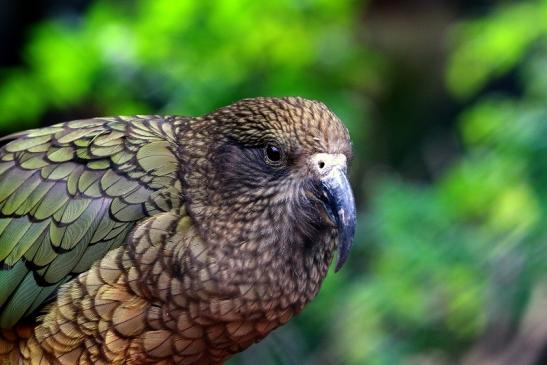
[71,192]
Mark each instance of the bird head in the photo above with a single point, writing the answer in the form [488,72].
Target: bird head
[271,174]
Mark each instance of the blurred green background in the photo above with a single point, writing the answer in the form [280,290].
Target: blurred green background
[446,102]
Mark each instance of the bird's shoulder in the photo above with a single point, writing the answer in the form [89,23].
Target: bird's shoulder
[71,192]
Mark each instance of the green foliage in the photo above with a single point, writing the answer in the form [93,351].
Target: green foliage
[188,58]
[490,46]
[451,258]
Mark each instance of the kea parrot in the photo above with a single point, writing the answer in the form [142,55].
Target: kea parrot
[168,239]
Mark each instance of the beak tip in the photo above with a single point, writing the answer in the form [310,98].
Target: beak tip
[339,264]
[346,233]
[342,205]
[345,244]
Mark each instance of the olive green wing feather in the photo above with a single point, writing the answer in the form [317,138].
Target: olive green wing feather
[70,193]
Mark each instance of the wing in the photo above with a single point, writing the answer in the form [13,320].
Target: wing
[70,193]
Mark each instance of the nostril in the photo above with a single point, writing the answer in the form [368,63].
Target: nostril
[321,164]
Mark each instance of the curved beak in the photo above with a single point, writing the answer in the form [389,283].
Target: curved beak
[339,202]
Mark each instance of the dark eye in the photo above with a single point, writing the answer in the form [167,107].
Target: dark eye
[273,153]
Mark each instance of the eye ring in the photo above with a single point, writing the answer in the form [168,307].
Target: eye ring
[274,154]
